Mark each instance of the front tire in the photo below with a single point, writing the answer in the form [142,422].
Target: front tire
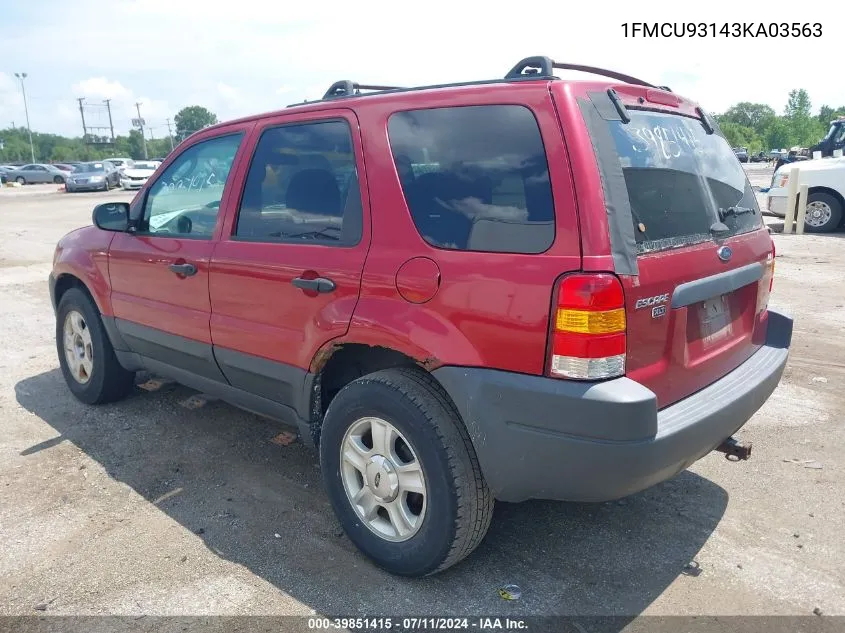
[20,180]
[86,356]
[402,474]
[823,213]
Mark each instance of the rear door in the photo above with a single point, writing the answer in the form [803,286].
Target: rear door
[286,275]
[696,303]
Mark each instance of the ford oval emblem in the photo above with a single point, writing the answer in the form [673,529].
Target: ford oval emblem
[724,253]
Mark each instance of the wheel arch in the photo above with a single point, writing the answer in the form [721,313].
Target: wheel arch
[66,281]
[337,364]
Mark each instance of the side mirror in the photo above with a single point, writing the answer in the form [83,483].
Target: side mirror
[112,216]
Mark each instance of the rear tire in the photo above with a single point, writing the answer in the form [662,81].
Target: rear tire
[86,356]
[823,213]
[58,180]
[456,506]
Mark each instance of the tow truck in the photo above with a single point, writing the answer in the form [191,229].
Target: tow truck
[835,139]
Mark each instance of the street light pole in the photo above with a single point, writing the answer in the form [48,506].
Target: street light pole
[21,77]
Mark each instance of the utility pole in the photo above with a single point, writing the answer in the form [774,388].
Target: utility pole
[169,134]
[82,114]
[141,125]
[21,77]
[111,125]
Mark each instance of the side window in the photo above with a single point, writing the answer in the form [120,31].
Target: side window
[302,187]
[185,200]
[475,177]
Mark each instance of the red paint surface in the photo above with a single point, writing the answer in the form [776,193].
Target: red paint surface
[490,310]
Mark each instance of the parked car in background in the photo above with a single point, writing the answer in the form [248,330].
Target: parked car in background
[825,179]
[37,173]
[93,176]
[741,154]
[3,178]
[459,322]
[136,177]
[759,157]
[66,167]
[121,163]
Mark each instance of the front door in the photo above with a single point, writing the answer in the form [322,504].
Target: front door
[159,272]
[286,273]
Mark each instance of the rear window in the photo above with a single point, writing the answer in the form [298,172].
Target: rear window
[475,177]
[681,181]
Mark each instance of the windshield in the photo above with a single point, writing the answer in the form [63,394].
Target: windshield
[143,165]
[681,181]
[89,167]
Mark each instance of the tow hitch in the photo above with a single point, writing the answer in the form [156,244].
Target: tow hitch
[733,450]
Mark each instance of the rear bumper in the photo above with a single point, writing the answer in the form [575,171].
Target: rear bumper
[543,438]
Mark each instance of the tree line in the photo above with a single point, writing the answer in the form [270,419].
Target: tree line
[57,148]
[757,127]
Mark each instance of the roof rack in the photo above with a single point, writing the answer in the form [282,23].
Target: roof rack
[543,68]
[529,68]
[347,88]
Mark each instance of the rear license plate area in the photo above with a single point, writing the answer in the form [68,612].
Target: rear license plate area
[714,317]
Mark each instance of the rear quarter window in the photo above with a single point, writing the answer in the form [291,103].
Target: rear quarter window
[475,178]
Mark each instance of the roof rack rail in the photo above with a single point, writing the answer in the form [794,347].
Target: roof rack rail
[347,88]
[540,67]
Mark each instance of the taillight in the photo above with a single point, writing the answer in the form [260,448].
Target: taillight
[588,337]
[764,287]
[772,266]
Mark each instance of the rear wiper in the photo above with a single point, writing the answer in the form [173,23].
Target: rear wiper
[724,213]
[719,227]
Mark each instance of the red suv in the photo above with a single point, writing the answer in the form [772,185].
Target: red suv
[511,289]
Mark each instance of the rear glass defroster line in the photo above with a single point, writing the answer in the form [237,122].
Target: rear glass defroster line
[623,243]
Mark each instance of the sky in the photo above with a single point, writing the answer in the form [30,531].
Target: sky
[251,56]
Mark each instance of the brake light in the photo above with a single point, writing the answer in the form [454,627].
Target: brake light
[588,338]
[764,288]
[772,267]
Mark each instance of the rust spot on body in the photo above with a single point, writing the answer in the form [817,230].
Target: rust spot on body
[322,357]
[430,363]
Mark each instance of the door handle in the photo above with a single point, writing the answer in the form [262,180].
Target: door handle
[320,284]
[184,269]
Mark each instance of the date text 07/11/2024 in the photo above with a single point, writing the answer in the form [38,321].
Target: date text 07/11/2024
[418,624]
[725,29]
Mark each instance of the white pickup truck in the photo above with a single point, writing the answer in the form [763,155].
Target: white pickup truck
[825,178]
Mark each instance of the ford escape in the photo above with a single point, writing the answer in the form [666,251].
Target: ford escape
[510,289]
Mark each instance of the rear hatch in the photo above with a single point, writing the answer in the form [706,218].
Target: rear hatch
[695,303]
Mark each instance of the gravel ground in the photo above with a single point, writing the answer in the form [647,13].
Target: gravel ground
[152,507]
